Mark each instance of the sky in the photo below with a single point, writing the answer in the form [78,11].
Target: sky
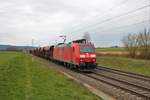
[43,21]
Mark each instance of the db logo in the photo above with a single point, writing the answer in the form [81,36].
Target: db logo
[87,55]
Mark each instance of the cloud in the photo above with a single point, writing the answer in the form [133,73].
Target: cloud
[44,20]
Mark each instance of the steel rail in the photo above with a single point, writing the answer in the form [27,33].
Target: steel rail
[110,82]
[125,73]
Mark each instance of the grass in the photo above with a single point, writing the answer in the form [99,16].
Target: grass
[110,49]
[127,64]
[21,78]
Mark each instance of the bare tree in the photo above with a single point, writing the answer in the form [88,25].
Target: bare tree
[144,43]
[131,44]
[87,37]
[138,44]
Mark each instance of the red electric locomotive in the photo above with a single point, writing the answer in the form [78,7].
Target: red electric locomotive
[78,54]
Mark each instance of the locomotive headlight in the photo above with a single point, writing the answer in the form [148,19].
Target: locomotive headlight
[82,56]
[93,56]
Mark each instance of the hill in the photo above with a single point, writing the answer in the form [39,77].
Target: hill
[7,47]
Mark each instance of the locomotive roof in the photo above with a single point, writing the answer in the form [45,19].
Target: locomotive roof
[62,44]
[79,41]
[84,44]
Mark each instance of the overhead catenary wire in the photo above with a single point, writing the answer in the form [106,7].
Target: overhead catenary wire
[123,26]
[114,17]
[113,25]
[97,16]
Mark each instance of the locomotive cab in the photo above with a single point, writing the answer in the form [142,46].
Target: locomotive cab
[84,56]
[87,57]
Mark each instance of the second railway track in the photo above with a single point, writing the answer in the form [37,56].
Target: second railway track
[125,73]
[136,84]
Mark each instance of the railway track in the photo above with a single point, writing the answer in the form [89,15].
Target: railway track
[125,73]
[136,84]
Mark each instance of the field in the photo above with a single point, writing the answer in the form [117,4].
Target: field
[110,49]
[116,58]
[127,64]
[22,78]
[111,52]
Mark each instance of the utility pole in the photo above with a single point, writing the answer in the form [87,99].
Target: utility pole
[56,42]
[32,42]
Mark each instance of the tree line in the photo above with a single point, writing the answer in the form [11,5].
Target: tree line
[138,45]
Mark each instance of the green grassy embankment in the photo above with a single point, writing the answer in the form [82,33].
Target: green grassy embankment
[126,64]
[24,79]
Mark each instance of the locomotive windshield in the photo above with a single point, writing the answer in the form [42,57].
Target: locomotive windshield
[86,48]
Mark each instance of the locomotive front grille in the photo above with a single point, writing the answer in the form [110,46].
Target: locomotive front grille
[87,65]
